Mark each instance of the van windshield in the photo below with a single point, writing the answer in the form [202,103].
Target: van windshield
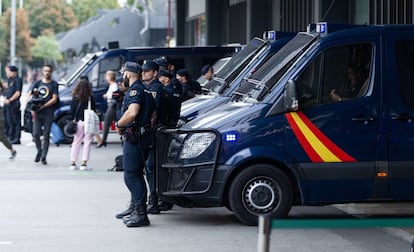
[235,65]
[73,71]
[263,80]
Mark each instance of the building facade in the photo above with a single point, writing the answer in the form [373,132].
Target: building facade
[217,22]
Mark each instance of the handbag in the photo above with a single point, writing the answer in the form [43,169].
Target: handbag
[91,120]
[71,126]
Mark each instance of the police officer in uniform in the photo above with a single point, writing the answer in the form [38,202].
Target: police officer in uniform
[12,104]
[138,115]
[150,79]
[173,97]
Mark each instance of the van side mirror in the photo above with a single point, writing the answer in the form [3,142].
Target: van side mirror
[290,97]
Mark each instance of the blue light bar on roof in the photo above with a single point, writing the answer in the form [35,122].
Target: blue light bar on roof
[269,35]
[322,28]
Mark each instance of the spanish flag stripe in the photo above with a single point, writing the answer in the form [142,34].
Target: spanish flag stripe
[312,154]
[326,154]
[342,155]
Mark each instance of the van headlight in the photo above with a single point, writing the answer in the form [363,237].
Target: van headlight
[196,145]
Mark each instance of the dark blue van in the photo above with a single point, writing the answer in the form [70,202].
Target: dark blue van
[219,90]
[95,66]
[331,122]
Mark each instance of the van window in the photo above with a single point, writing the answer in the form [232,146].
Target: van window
[97,75]
[338,74]
[405,70]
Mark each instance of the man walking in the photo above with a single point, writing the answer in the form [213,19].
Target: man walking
[12,104]
[46,91]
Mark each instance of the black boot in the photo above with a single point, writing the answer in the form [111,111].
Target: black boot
[153,204]
[165,206]
[126,212]
[138,217]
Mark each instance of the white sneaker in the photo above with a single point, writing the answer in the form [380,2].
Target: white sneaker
[73,167]
[85,168]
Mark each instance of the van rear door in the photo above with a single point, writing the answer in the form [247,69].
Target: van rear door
[400,91]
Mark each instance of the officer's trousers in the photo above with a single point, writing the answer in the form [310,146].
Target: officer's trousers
[13,120]
[134,156]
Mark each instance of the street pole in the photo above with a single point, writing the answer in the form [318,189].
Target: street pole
[13,32]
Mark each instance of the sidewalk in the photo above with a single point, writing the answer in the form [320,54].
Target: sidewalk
[381,209]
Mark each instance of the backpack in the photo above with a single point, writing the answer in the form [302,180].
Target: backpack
[118,164]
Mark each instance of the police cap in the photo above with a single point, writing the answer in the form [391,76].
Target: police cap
[205,69]
[164,73]
[13,68]
[131,67]
[150,65]
[183,72]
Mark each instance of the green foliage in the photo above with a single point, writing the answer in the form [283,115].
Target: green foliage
[47,48]
[23,40]
[53,15]
[84,9]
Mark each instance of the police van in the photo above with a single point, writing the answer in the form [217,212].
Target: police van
[218,90]
[330,121]
[96,64]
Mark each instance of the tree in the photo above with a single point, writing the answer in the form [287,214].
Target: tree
[23,40]
[53,15]
[85,9]
[47,48]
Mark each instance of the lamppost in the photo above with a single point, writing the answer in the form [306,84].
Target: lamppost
[13,32]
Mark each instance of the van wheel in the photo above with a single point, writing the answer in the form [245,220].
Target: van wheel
[61,123]
[260,189]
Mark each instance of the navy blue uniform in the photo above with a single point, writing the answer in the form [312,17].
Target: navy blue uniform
[173,97]
[136,152]
[158,92]
[12,110]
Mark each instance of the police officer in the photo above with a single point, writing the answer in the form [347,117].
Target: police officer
[190,88]
[150,79]
[138,115]
[12,104]
[173,95]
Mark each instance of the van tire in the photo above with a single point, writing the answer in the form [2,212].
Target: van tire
[61,123]
[260,189]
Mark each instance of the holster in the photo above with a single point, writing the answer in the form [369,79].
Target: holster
[132,135]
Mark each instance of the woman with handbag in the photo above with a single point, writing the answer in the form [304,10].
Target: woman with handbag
[81,101]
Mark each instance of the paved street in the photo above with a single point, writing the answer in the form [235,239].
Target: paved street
[50,208]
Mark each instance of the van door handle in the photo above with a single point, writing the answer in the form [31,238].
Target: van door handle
[363,119]
[402,118]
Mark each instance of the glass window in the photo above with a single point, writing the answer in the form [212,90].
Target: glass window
[405,70]
[97,75]
[338,74]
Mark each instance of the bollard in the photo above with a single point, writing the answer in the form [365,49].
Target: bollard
[263,238]
[412,245]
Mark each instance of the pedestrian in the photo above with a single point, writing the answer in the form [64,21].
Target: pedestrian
[3,138]
[110,114]
[97,136]
[12,104]
[82,96]
[138,116]
[45,90]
